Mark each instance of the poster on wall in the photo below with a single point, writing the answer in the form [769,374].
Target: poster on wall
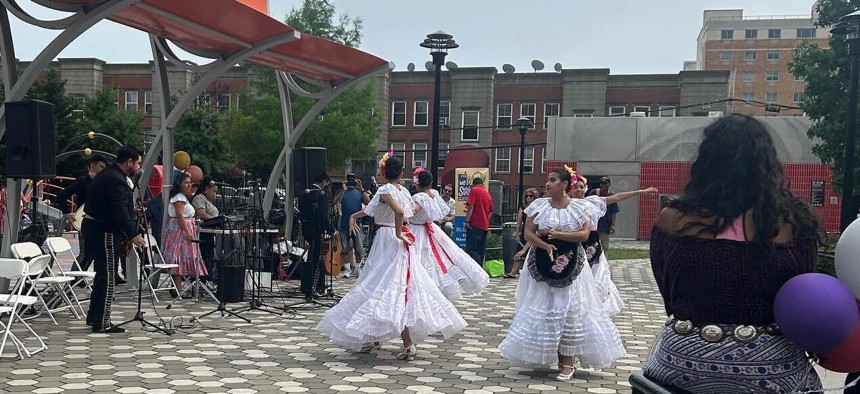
[464,177]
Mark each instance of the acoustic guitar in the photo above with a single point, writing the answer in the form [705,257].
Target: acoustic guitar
[333,262]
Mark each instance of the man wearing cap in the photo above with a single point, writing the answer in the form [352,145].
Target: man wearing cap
[350,200]
[606,224]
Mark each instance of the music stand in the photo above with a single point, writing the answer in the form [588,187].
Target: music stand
[222,305]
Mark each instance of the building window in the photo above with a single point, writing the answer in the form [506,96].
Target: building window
[799,78]
[503,159]
[224,102]
[505,116]
[528,110]
[749,76]
[583,115]
[774,33]
[770,97]
[799,97]
[543,160]
[419,154]
[147,101]
[399,148]
[748,96]
[398,113]
[772,76]
[444,113]
[725,55]
[617,111]
[528,159]
[642,108]
[419,116]
[131,100]
[772,55]
[443,154]
[470,126]
[667,111]
[751,33]
[551,110]
[806,33]
[727,34]
[749,55]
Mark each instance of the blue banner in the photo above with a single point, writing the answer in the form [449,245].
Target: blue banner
[460,231]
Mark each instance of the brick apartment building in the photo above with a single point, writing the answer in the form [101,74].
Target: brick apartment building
[757,51]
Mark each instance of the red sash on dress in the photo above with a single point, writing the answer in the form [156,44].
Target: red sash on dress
[429,227]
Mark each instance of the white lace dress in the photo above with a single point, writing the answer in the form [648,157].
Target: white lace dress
[393,292]
[569,320]
[451,268]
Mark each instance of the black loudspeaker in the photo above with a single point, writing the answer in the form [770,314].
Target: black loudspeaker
[29,136]
[232,286]
[307,163]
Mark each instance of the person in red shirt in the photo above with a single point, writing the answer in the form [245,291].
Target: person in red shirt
[479,205]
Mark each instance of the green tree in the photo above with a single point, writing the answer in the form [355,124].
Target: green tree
[826,72]
[199,132]
[348,127]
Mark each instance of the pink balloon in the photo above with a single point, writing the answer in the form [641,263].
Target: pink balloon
[845,357]
[195,172]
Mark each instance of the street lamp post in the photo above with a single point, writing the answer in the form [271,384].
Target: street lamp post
[439,43]
[849,26]
[524,123]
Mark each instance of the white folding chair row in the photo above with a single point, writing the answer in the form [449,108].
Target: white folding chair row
[11,304]
[40,275]
[154,260]
[58,246]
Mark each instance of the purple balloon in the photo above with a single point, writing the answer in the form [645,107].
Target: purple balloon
[816,311]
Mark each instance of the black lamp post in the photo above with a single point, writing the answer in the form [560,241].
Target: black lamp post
[849,26]
[439,44]
[524,123]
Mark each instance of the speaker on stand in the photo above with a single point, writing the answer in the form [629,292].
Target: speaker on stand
[30,140]
[307,164]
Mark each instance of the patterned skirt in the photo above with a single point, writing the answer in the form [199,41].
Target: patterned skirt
[769,364]
[178,249]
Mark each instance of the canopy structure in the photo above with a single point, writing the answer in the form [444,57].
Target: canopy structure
[228,32]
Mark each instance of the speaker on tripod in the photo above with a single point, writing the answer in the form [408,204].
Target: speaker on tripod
[30,140]
[307,163]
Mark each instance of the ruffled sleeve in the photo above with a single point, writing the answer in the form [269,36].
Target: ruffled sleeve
[595,209]
[375,201]
[537,206]
[405,200]
[444,209]
[430,206]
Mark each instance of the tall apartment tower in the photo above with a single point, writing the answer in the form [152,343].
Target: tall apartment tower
[757,50]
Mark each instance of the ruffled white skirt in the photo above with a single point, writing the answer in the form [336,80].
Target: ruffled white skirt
[394,292]
[570,320]
[454,271]
[609,293]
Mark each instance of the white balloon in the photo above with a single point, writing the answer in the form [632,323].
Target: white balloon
[848,258]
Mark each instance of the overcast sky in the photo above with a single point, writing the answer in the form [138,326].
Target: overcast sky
[627,36]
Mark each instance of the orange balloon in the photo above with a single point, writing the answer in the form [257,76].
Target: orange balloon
[195,172]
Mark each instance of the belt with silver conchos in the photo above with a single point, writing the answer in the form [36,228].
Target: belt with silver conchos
[716,333]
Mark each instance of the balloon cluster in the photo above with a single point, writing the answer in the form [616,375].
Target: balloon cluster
[821,314]
[182,161]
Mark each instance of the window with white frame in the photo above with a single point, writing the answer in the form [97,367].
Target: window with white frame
[444,113]
[528,110]
[543,160]
[550,110]
[725,55]
[398,113]
[399,148]
[470,131]
[799,97]
[749,55]
[772,76]
[419,116]
[642,108]
[770,97]
[799,78]
[147,101]
[528,159]
[443,154]
[772,55]
[748,96]
[505,115]
[419,154]
[617,111]
[224,102]
[131,100]
[503,159]
[667,111]
[749,76]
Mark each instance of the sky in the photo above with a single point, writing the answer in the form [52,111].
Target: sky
[627,36]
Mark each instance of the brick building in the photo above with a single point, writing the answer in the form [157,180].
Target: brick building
[757,50]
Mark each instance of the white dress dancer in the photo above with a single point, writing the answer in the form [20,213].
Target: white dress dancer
[596,255]
[568,321]
[452,269]
[393,293]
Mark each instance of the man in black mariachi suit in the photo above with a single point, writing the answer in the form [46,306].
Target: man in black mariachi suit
[79,188]
[314,205]
[109,222]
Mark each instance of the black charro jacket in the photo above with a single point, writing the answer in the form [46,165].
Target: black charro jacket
[110,202]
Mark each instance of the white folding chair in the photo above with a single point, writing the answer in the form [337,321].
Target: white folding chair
[15,271]
[39,274]
[156,265]
[59,245]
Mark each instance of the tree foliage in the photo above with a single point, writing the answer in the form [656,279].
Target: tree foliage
[348,127]
[826,72]
[101,114]
[199,132]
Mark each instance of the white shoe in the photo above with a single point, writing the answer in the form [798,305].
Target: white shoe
[345,273]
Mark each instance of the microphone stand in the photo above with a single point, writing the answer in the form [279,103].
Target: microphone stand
[141,274]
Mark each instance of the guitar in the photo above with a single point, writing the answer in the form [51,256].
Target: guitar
[332,260]
[139,223]
[78,218]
